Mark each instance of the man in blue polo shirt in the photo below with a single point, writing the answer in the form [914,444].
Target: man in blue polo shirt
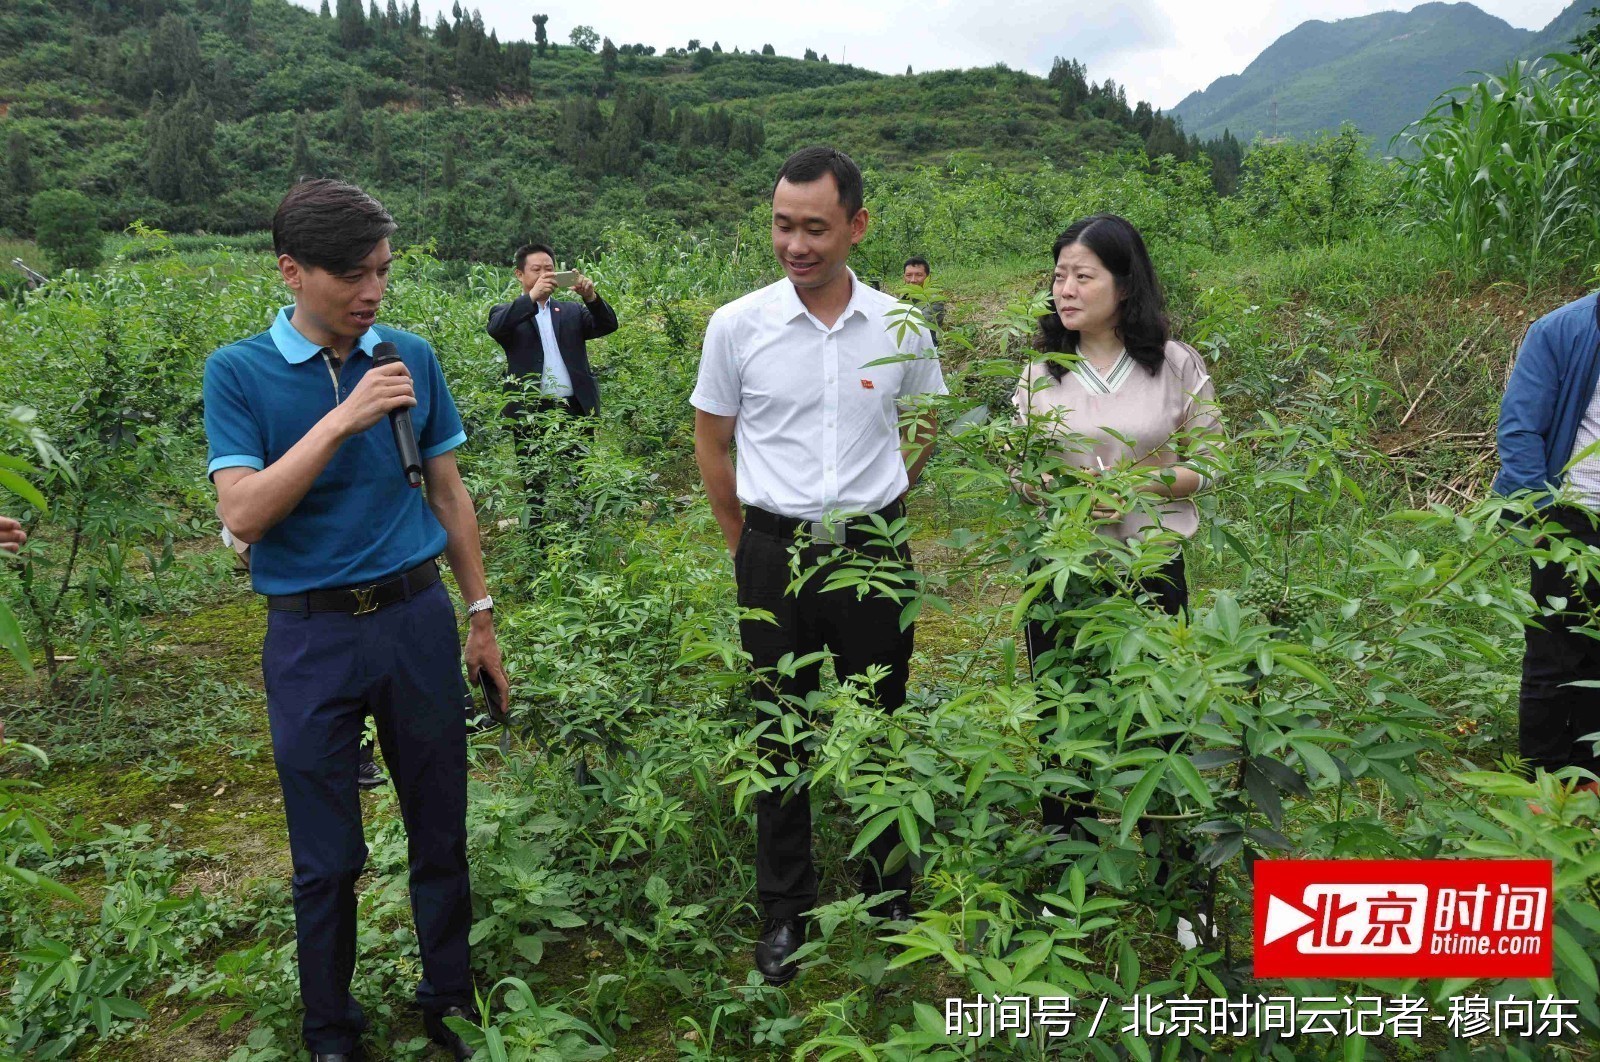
[306,471]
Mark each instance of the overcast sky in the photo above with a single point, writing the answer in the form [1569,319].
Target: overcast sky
[1161,50]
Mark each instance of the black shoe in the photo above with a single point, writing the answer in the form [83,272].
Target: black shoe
[782,938]
[433,1024]
[370,777]
[895,910]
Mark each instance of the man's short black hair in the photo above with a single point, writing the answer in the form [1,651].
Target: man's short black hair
[810,163]
[521,257]
[917,260]
[329,225]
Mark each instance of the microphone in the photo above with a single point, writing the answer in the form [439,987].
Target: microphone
[405,436]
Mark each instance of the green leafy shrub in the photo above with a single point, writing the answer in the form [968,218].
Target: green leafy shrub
[67,228]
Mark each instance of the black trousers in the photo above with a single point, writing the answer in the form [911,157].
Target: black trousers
[859,632]
[1169,589]
[325,672]
[527,437]
[1554,717]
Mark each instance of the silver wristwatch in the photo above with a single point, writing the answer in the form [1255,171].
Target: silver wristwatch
[483,604]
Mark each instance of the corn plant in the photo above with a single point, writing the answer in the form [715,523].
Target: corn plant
[1502,170]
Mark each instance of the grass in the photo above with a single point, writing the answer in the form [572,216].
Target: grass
[26,250]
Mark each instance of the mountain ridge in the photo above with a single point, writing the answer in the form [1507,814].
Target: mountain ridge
[1379,72]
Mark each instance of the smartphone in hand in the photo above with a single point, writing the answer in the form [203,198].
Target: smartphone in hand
[566,278]
[491,697]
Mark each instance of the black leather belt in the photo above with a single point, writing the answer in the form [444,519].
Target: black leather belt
[839,534]
[359,600]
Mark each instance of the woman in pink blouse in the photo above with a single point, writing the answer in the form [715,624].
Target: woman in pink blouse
[1116,393]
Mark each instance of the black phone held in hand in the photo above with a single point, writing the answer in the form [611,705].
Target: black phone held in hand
[491,697]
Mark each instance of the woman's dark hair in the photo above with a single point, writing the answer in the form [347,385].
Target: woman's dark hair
[1142,325]
[329,225]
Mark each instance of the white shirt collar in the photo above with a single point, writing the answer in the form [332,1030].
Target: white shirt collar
[793,307]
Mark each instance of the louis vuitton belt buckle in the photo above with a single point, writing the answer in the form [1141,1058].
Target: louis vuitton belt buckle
[364,602]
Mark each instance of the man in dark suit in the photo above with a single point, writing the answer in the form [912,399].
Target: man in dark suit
[546,350]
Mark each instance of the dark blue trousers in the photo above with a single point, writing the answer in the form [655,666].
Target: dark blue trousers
[325,672]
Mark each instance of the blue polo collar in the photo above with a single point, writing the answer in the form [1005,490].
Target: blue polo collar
[296,348]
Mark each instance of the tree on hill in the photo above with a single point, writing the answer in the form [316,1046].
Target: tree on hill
[584,37]
[540,38]
[352,24]
[811,55]
[80,58]
[1070,79]
[352,126]
[324,13]
[175,60]
[382,155]
[608,60]
[180,149]
[19,164]
[236,18]
[447,169]
[302,163]
[67,229]
[767,49]
[18,182]
[1227,159]
[1164,136]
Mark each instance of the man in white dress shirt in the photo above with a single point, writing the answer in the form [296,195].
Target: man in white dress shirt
[795,374]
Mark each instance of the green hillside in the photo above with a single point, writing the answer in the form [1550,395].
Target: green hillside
[194,115]
[1378,72]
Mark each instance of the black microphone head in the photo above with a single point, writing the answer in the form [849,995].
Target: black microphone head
[384,353]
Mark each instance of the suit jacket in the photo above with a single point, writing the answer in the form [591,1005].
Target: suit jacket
[514,326]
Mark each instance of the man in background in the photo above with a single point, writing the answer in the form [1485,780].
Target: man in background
[547,355]
[915,275]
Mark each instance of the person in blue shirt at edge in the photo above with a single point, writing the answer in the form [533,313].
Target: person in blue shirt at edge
[358,622]
[1550,415]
